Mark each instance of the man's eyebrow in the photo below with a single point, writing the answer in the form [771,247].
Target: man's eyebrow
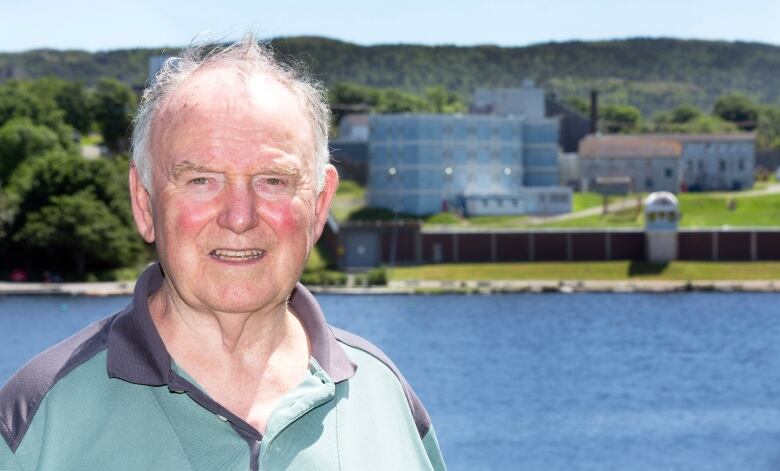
[275,169]
[285,170]
[189,166]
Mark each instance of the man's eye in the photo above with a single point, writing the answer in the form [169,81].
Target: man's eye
[199,181]
[274,181]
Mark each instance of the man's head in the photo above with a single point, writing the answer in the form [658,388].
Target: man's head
[231,179]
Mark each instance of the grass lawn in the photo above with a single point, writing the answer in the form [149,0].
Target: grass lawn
[586,200]
[703,210]
[698,210]
[349,197]
[612,270]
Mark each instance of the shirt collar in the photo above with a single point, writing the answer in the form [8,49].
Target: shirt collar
[137,354]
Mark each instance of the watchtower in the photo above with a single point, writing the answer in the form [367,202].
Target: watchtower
[662,216]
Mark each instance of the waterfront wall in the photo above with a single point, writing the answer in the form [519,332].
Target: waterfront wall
[370,245]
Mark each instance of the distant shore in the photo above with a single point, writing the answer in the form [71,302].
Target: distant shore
[125,288]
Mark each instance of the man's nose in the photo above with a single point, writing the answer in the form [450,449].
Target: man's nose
[239,208]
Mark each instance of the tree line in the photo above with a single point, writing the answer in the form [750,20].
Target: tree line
[650,74]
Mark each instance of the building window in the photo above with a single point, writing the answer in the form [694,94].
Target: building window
[722,165]
[648,183]
[741,165]
[668,172]
[701,165]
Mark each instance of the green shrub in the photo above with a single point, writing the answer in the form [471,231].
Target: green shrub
[377,276]
[443,218]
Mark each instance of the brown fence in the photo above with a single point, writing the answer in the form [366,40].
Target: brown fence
[408,244]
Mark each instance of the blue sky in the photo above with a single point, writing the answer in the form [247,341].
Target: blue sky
[101,25]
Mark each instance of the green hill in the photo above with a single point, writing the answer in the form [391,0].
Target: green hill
[652,74]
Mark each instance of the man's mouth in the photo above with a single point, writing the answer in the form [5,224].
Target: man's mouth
[237,255]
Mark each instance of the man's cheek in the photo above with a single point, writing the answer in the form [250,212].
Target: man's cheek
[190,218]
[285,217]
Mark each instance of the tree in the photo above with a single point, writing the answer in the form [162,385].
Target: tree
[768,128]
[112,107]
[442,101]
[20,139]
[396,101]
[345,93]
[619,118]
[684,114]
[36,181]
[35,199]
[70,97]
[82,226]
[577,104]
[738,109]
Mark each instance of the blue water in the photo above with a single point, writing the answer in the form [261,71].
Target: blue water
[547,382]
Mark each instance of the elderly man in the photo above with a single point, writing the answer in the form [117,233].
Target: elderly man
[221,361]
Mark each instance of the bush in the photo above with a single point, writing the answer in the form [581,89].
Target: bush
[443,218]
[377,276]
[324,278]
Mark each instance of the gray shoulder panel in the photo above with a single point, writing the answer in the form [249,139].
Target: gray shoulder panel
[23,393]
[421,418]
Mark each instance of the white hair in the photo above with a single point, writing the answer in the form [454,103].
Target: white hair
[249,58]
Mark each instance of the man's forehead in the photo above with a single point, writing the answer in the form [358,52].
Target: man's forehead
[227,89]
[223,97]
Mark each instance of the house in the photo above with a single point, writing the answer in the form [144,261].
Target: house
[670,162]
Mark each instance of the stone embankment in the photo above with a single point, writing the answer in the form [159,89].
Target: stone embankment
[124,288]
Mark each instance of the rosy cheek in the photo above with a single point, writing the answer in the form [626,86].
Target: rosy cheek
[191,216]
[286,217]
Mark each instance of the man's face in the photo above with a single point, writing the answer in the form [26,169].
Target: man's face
[233,209]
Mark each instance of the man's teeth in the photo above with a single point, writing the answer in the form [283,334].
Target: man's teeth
[237,254]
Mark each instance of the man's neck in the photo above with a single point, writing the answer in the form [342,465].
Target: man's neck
[247,362]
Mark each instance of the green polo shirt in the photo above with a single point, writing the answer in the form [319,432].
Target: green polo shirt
[111,398]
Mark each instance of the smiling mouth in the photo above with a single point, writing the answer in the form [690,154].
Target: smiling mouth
[237,255]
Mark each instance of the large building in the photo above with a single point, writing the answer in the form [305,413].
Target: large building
[670,162]
[427,163]
[349,151]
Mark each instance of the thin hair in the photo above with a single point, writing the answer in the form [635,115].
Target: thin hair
[249,58]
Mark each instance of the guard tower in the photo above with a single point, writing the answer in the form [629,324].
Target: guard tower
[662,215]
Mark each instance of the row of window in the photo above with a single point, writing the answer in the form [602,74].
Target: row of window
[719,147]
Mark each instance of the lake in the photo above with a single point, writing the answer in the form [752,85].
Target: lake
[546,381]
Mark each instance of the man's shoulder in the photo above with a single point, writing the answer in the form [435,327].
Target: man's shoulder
[25,390]
[378,358]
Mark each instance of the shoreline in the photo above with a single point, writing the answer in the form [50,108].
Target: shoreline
[125,288]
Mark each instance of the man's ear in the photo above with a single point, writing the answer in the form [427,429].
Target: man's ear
[141,204]
[324,199]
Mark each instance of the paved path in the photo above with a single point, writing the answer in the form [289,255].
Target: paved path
[615,206]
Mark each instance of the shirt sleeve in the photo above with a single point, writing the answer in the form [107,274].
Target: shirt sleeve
[434,452]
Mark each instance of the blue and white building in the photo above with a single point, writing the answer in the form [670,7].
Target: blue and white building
[502,158]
